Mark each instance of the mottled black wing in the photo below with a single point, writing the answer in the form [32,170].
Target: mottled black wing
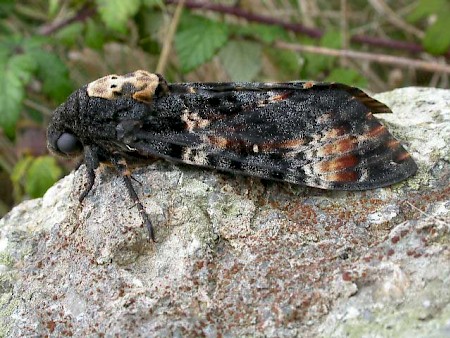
[315,134]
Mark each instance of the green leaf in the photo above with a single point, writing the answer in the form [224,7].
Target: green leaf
[425,8]
[266,33]
[347,76]
[153,3]
[53,6]
[315,64]
[6,7]
[95,35]
[42,173]
[241,60]
[18,174]
[51,70]
[55,76]
[115,13]
[16,73]
[288,63]
[198,40]
[20,169]
[331,39]
[68,35]
[149,23]
[437,36]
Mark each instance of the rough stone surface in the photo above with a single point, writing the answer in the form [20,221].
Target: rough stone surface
[236,256]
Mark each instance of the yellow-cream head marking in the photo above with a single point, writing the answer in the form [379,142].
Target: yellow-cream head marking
[140,85]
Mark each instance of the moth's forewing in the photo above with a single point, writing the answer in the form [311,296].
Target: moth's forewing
[315,134]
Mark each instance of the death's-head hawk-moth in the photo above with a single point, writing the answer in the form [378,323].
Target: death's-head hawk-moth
[315,134]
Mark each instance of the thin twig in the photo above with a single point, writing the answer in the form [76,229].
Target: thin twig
[83,14]
[39,107]
[167,44]
[345,36]
[380,58]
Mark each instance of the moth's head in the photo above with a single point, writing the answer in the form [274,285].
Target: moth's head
[64,144]
[61,137]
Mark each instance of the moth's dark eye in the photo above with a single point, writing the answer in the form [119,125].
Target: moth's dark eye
[69,144]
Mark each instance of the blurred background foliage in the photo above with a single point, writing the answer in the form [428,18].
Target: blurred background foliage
[48,48]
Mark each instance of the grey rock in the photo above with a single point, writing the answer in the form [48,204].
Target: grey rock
[236,256]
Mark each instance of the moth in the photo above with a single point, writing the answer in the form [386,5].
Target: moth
[321,135]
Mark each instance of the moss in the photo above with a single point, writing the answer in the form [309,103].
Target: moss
[8,304]
[6,259]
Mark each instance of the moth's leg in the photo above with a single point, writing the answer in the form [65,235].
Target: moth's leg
[92,163]
[78,164]
[136,180]
[121,165]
